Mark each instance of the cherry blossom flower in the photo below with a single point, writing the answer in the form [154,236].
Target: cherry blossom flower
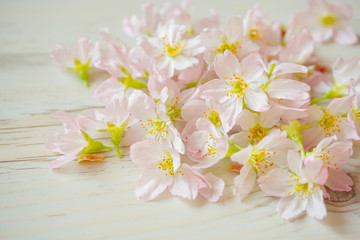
[259,31]
[298,46]
[135,26]
[232,39]
[73,143]
[171,50]
[81,60]
[153,122]
[299,187]
[270,152]
[207,145]
[328,21]
[163,169]
[239,83]
[291,97]
[254,126]
[329,122]
[334,155]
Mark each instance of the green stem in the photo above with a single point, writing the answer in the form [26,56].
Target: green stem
[117,150]
[235,145]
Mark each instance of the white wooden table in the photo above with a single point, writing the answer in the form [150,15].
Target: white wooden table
[97,200]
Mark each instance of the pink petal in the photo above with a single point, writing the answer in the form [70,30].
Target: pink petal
[84,49]
[226,65]
[256,99]
[62,160]
[252,68]
[62,56]
[247,119]
[339,181]
[234,29]
[288,89]
[182,62]
[243,155]
[345,35]
[211,38]
[290,207]
[146,153]
[215,189]
[152,46]
[214,89]
[316,206]
[187,183]
[151,183]
[276,182]
[134,134]
[244,183]
[340,106]
[295,162]
[241,139]
[270,118]
[142,106]
[68,120]
[107,89]
[286,68]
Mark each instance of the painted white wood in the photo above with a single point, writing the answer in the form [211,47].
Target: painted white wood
[97,200]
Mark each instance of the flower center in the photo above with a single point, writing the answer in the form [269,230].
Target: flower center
[328,20]
[214,117]
[211,146]
[260,159]
[234,47]
[356,115]
[157,128]
[174,110]
[173,48]
[301,189]
[166,164]
[330,123]
[256,32]
[327,159]
[238,87]
[256,134]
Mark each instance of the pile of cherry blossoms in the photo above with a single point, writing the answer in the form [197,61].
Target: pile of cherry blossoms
[193,92]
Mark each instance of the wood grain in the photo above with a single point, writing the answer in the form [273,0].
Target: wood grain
[97,200]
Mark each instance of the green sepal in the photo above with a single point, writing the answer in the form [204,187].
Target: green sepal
[231,150]
[293,131]
[82,70]
[93,146]
[335,92]
[130,82]
[116,135]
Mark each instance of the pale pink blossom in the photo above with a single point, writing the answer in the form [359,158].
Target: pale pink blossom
[73,142]
[85,52]
[334,155]
[207,145]
[346,70]
[80,60]
[328,21]
[299,187]
[135,26]
[290,96]
[170,50]
[299,47]
[153,122]
[163,169]
[261,32]
[232,39]
[329,122]
[239,83]
[257,159]
[254,126]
